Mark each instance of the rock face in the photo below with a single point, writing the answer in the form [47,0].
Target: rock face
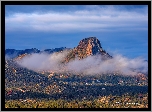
[88,46]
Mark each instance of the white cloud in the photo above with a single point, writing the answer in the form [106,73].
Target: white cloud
[90,18]
[91,65]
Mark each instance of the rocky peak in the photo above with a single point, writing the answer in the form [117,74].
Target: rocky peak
[91,46]
[86,47]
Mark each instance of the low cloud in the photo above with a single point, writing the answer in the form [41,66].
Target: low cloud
[43,61]
[92,65]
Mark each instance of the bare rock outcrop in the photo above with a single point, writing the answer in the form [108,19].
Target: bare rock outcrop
[86,47]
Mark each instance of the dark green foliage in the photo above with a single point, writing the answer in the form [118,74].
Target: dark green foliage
[124,101]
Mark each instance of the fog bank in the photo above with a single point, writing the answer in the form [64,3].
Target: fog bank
[91,65]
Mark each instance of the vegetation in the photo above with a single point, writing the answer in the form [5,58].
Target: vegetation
[124,101]
[28,89]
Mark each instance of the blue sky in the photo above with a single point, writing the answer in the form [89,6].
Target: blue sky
[120,28]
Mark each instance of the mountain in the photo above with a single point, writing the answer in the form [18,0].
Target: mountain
[86,47]
[54,50]
[13,53]
[24,83]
